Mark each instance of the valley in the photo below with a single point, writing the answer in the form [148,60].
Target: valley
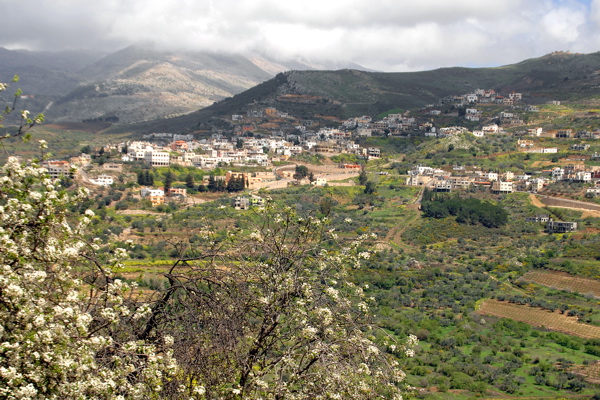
[478,208]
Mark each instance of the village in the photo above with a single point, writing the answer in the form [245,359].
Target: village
[266,139]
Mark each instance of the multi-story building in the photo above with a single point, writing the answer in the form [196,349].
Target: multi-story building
[502,187]
[57,169]
[560,226]
[157,158]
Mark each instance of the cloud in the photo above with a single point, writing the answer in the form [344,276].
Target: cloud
[381,34]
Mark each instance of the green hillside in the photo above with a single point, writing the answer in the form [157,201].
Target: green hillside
[349,93]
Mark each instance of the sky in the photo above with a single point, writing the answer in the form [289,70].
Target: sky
[384,35]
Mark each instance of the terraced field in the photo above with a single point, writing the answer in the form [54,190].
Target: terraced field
[565,281]
[541,318]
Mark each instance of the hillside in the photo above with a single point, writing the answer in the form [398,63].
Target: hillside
[137,83]
[347,93]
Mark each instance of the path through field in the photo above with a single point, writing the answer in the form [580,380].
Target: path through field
[395,234]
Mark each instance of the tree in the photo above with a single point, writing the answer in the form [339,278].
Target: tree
[149,178]
[212,183]
[145,178]
[235,184]
[189,181]
[168,183]
[363,178]
[273,314]
[301,172]
[67,330]
[370,187]
[25,123]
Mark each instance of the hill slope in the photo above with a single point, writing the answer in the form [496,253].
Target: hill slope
[347,93]
[137,83]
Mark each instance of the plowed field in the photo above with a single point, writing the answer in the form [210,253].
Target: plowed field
[540,318]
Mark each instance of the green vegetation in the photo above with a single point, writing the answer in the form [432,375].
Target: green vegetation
[467,211]
[433,268]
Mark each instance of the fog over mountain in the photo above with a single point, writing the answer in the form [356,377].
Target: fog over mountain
[136,83]
[378,34]
[138,60]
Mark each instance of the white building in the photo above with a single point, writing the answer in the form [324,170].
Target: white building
[149,192]
[490,128]
[582,176]
[508,176]
[491,176]
[558,173]
[157,158]
[103,180]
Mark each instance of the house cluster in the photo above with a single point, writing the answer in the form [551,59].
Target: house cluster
[482,96]
[440,180]
[575,173]
[247,151]
[157,195]
[393,125]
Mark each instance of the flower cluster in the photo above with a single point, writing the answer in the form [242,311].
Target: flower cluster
[56,331]
[279,315]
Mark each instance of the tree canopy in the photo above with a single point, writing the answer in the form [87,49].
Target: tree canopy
[466,210]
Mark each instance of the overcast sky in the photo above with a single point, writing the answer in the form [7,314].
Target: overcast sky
[387,35]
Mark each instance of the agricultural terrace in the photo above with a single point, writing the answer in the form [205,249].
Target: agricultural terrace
[564,281]
[540,318]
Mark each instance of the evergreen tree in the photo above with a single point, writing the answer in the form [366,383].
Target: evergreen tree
[363,178]
[235,184]
[149,178]
[168,183]
[189,181]
[221,185]
[212,184]
[370,187]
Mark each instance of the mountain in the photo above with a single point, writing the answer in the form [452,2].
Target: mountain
[137,83]
[44,76]
[45,73]
[347,93]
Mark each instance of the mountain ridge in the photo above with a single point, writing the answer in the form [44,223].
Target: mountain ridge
[348,93]
[137,83]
